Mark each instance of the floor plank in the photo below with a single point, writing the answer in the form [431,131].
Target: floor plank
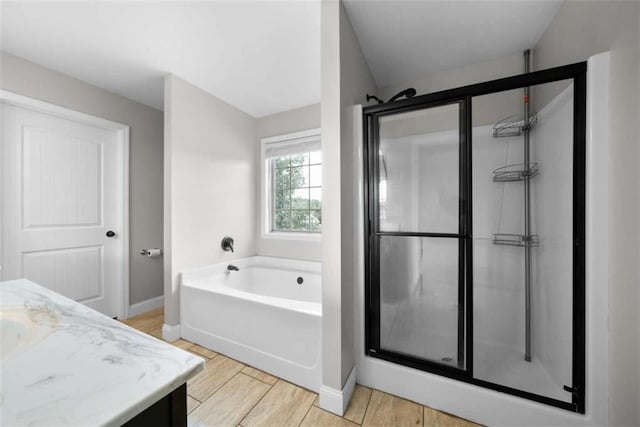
[156,332]
[318,417]
[201,351]
[358,404]
[182,344]
[216,372]
[195,348]
[387,410]
[259,375]
[284,405]
[434,418]
[148,321]
[191,404]
[228,405]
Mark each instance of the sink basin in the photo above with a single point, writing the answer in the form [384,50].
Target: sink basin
[22,328]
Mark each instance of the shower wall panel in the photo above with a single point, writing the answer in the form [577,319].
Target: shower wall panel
[498,270]
[552,219]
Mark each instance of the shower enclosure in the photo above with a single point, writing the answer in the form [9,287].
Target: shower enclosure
[474,216]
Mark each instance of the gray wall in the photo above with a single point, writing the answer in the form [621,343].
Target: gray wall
[461,76]
[356,81]
[290,121]
[580,30]
[145,156]
[487,109]
[345,80]
[331,229]
[209,184]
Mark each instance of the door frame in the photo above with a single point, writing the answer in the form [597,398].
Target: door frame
[463,236]
[122,140]
[578,74]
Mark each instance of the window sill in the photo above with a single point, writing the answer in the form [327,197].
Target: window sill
[301,237]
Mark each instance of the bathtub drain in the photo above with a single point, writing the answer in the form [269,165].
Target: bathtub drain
[299,280]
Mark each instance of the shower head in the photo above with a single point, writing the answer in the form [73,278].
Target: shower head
[407,93]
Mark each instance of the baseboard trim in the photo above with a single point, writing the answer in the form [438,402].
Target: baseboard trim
[146,305]
[171,333]
[336,401]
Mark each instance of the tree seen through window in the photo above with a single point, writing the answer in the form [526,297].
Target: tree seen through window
[297,192]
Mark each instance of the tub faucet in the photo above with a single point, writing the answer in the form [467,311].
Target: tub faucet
[227,244]
[232,267]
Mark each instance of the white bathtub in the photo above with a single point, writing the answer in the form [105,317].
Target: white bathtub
[259,315]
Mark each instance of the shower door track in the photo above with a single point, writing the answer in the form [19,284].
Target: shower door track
[463,95]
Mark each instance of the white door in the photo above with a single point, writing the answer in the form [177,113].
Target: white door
[62,207]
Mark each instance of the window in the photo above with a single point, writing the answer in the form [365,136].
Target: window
[293,184]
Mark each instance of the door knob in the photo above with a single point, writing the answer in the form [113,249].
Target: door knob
[111,233]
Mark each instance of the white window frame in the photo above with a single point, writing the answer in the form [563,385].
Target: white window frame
[265,189]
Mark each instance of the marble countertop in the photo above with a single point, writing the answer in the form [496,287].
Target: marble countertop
[65,364]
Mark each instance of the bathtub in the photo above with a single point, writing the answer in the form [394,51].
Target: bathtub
[259,315]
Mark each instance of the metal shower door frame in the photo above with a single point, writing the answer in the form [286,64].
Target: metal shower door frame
[465,349]
[463,95]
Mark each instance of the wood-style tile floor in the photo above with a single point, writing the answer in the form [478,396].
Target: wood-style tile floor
[230,393]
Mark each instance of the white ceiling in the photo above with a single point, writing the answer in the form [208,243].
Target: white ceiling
[262,57]
[403,40]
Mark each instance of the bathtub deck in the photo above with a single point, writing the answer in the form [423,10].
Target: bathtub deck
[228,392]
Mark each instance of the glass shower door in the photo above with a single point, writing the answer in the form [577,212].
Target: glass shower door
[419,238]
[523,240]
[475,223]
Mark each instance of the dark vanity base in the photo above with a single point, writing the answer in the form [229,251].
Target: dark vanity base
[171,410]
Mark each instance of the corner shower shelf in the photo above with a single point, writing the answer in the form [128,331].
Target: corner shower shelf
[515,240]
[513,126]
[515,172]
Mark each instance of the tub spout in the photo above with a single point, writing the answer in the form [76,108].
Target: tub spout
[232,267]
